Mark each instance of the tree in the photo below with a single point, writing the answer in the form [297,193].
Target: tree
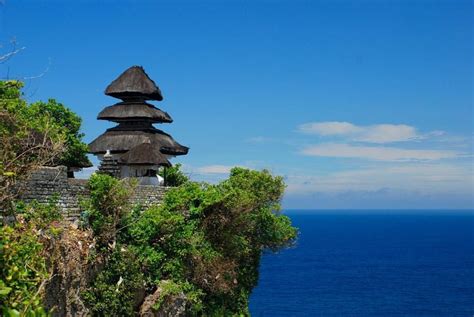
[43,133]
[27,141]
[75,151]
[203,244]
[173,175]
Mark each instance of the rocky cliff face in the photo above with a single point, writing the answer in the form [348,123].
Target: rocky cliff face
[174,305]
[198,253]
[74,263]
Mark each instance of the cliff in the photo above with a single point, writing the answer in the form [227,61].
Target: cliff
[196,253]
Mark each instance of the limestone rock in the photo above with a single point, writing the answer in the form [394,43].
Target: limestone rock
[172,306]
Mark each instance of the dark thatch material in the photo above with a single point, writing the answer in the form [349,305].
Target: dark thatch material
[144,154]
[135,137]
[120,141]
[137,110]
[109,166]
[138,125]
[134,83]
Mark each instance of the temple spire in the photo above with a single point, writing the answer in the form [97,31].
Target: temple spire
[132,84]
[135,148]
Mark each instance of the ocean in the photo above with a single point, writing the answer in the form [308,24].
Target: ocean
[371,263]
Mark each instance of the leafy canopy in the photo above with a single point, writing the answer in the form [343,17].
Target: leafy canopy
[32,136]
[70,123]
[50,116]
[23,265]
[27,141]
[174,175]
[204,240]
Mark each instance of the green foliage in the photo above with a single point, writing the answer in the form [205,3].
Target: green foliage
[107,204]
[50,116]
[41,215]
[27,141]
[11,97]
[174,175]
[172,289]
[212,236]
[70,123]
[203,243]
[113,291]
[23,268]
[32,136]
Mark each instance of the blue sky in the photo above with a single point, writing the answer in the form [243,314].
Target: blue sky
[358,104]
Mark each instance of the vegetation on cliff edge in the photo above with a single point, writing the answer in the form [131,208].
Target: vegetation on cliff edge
[23,259]
[205,241]
[33,135]
[197,253]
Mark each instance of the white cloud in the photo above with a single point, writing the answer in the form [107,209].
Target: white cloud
[436,133]
[329,128]
[86,172]
[423,178]
[376,153]
[379,133]
[418,175]
[386,133]
[214,169]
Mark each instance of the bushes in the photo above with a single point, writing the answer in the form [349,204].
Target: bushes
[113,292]
[107,205]
[200,248]
[27,142]
[23,267]
[174,175]
[43,133]
[22,270]
[75,154]
[205,241]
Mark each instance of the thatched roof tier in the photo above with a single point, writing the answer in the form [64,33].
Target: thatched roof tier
[139,125]
[144,154]
[120,141]
[134,84]
[109,166]
[137,110]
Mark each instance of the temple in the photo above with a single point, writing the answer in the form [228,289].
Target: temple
[135,148]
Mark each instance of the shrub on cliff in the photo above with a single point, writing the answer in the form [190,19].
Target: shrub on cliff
[23,266]
[32,136]
[204,240]
[27,142]
[197,253]
[174,175]
[107,205]
[75,154]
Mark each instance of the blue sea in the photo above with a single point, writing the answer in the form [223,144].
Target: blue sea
[373,263]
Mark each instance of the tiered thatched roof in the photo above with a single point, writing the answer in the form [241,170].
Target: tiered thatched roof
[135,135]
[123,141]
[109,166]
[134,83]
[144,154]
[140,110]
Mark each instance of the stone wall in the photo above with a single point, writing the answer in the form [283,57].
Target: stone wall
[49,182]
